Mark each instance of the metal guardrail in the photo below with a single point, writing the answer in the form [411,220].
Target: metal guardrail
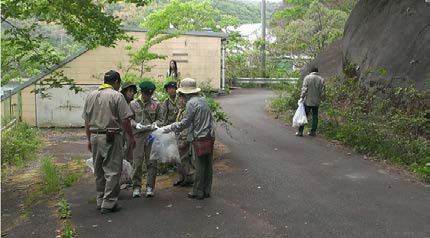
[264,80]
[9,125]
[11,109]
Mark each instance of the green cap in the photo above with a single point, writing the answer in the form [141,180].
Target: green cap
[170,84]
[147,87]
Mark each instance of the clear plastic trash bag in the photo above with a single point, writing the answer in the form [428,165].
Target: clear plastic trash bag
[299,118]
[126,172]
[164,147]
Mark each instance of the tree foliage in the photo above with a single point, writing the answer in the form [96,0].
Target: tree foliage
[179,17]
[305,27]
[26,51]
[245,12]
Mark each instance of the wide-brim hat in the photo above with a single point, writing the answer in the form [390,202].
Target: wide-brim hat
[126,85]
[188,86]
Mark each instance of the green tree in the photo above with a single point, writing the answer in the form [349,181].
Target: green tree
[25,49]
[305,27]
[179,17]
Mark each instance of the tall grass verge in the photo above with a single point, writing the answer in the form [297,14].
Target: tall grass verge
[51,176]
[19,144]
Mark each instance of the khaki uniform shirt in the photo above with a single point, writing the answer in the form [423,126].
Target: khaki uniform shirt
[184,134]
[198,117]
[169,111]
[312,89]
[105,109]
[145,114]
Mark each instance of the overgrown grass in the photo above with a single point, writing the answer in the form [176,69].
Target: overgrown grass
[50,175]
[19,144]
[391,124]
[68,230]
[55,177]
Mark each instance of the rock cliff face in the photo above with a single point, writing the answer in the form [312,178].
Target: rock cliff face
[389,41]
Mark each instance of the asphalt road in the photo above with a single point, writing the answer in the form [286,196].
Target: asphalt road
[270,183]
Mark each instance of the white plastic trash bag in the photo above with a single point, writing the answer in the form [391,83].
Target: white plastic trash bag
[125,173]
[299,118]
[164,147]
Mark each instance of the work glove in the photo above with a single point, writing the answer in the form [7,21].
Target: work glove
[139,126]
[167,129]
[154,126]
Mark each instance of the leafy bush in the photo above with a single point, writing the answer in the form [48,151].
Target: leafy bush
[288,95]
[19,144]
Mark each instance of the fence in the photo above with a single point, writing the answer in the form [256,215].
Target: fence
[263,80]
[11,109]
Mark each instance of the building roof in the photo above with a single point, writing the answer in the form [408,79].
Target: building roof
[208,33]
[14,87]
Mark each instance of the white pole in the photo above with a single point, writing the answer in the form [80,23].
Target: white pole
[223,46]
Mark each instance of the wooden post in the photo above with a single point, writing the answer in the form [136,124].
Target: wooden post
[19,116]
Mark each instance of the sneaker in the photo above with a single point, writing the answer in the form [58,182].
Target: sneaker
[299,134]
[191,195]
[312,133]
[115,208]
[178,183]
[136,193]
[149,192]
[187,184]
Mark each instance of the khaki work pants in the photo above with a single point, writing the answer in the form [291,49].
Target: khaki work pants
[107,159]
[128,152]
[203,175]
[142,153]
[184,167]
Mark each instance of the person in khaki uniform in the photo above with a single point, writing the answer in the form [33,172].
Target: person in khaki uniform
[169,106]
[105,113]
[170,115]
[147,116]
[128,89]
[185,176]
[311,96]
[198,117]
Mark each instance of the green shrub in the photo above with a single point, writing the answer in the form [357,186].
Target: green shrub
[18,144]
[286,101]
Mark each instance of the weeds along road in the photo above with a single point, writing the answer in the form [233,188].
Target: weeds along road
[269,183]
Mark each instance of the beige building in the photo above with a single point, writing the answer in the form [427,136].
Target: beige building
[198,55]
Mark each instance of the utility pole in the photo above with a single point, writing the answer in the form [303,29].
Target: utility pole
[263,38]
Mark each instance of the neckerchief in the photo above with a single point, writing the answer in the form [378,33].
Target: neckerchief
[144,111]
[180,114]
[105,86]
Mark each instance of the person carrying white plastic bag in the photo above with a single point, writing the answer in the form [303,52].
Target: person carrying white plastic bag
[164,147]
[300,118]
